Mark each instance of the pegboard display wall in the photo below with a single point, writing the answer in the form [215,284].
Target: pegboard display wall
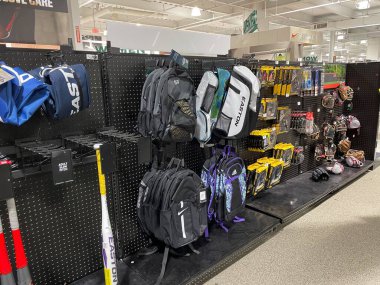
[39,126]
[364,79]
[61,224]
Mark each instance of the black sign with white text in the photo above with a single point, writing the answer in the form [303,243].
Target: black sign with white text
[50,5]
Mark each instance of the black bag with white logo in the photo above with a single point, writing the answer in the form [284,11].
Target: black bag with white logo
[241,105]
[172,207]
[69,89]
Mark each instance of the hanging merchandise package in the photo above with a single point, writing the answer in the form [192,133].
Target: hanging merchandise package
[295,78]
[284,119]
[21,95]
[69,89]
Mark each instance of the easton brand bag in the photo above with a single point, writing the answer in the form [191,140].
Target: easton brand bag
[243,94]
[224,175]
[174,107]
[205,96]
[69,89]
[21,96]
[171,207]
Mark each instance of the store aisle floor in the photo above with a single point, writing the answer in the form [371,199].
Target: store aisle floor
[336,243]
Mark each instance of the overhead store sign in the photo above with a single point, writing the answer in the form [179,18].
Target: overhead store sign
[250,24]
[51,5]
[34,21]
[310,58]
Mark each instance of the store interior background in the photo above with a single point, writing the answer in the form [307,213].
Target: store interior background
[348,31]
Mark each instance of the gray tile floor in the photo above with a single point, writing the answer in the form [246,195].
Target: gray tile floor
[336,243]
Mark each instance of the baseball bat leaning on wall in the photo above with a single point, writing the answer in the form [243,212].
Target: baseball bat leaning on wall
[109,252]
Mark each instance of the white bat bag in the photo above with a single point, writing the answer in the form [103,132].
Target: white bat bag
[243,94]
[204,98]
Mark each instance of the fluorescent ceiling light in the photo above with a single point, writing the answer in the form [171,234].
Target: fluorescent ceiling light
[195,12]
[312,53]
[363,54]
[86,3]
[360,59]
[340,37]
[362,4]
[105,32]
[363,42]
[327,54]
[138,24]
[312,7]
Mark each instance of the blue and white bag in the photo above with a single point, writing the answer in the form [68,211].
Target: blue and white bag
[20,97]
[69,89]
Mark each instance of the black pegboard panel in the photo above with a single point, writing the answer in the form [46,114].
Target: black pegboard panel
[60,225]
[130,236]
[39,125]
[364,79]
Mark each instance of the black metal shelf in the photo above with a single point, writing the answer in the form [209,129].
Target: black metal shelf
[293,199]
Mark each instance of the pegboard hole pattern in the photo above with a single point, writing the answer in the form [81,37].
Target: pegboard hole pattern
[61,224]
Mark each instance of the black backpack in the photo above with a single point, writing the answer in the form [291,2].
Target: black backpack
[174,110]
[224,175]
[148,97]
[172,207]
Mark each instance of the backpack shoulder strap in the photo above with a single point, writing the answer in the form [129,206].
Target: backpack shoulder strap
[163,266]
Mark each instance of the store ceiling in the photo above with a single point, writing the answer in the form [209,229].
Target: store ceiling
[227,16]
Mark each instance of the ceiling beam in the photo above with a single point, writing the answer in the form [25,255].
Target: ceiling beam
[208,21]
[156,7]
[373,20]
[341,10]
[336,8]
[114,11]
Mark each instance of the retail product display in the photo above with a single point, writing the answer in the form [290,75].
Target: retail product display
[325,151]
[210,97]
[21,95]
[256,178]
[298,155]
[344,145]
[108,243]
[284,152]
[224,175]
[206,92]
[275,168]
[336,168]
[284,119]
[167,109]
[328,101]
[266,75]
[320,174]
[268,109]
[181,111]
[69,90]
[240,108]
[345,92]
[22,268]
[172,207]
[303,122]
[262,140]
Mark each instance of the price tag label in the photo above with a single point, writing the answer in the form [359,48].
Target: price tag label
[5,77]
